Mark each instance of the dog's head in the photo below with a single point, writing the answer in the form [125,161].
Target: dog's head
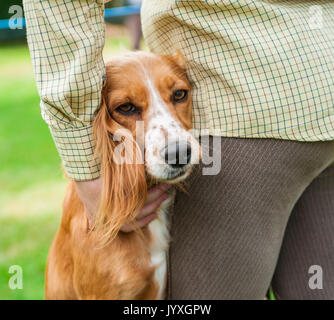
[143,129]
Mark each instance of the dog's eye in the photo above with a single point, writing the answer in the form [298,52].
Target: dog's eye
[127,109]
[179,95]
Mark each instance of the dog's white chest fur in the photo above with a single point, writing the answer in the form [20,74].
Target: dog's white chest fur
[159,246]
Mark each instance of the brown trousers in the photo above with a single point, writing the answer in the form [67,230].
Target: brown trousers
[265,219]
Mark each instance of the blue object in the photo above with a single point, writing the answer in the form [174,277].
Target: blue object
[108,13]
[121,11]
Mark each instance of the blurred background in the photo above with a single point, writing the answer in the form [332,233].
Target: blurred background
[31,179]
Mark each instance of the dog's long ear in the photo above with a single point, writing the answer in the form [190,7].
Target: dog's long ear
[123,174]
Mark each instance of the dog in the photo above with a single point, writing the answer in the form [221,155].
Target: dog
[150,92]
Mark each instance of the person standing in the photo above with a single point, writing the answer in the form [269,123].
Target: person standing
[263,89]
[262,75]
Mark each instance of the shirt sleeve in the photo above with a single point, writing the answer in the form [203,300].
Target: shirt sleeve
[66,40]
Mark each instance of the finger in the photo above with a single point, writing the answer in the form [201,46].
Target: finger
[89,216]
[151,207]
[156,192]
[139,223]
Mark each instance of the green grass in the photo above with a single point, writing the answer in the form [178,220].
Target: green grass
[25,242]
[31,178]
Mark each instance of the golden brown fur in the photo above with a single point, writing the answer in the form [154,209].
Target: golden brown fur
[77,266]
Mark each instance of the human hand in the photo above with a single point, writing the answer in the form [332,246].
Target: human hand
[89,193]
[155,196]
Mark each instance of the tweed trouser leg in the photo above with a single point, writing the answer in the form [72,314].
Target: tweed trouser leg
[227,233]
[309,242]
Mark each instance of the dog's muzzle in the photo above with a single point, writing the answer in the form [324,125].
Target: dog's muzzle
[176,154]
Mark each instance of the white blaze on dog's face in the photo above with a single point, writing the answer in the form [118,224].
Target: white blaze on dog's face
[145,90]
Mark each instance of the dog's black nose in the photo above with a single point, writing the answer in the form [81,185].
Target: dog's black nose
[177,154]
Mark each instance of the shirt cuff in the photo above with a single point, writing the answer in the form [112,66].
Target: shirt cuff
[76,149]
